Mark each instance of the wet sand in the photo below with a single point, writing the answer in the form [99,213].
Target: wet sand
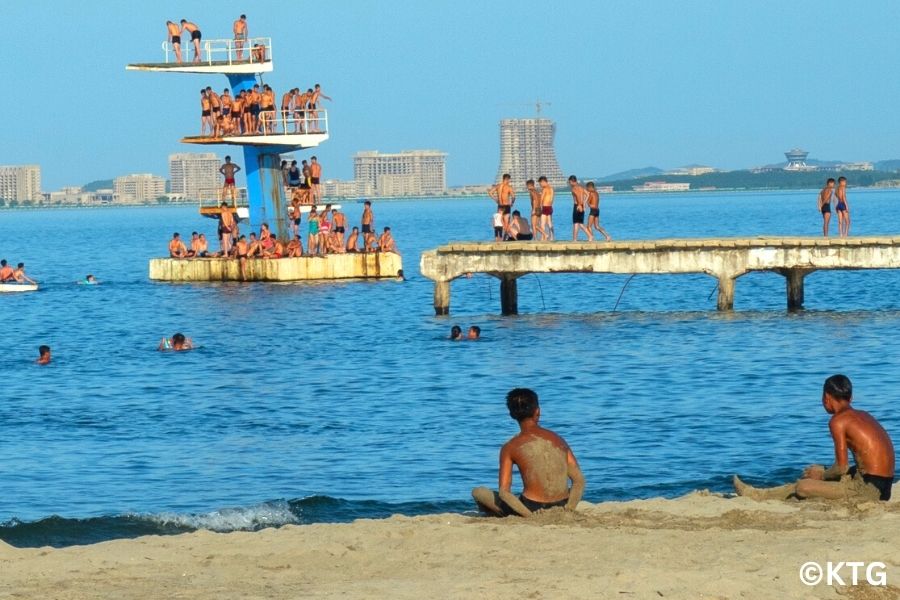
[698,546]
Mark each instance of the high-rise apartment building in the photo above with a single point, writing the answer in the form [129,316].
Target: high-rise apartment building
[407,173]
[139,188]
[21,183]
[194,175]
[526,151]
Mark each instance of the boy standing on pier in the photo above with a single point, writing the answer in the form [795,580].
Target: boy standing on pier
[545,463]
[843,207]
[368,224]
[579,199]
[535,208]
[546,208]
[594,205]
[871,478]
[826,196]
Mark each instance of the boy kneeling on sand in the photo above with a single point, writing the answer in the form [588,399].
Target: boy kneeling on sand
[545,462]
[872,475]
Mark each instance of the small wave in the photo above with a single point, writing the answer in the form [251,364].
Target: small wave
[269,514]
[59,531]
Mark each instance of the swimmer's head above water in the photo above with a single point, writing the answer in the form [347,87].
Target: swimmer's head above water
[474,332]
[456,332]
[44,352]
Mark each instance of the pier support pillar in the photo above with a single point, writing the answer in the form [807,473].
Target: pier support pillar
[726,293]
[509,294]
[794,285]
[441,298]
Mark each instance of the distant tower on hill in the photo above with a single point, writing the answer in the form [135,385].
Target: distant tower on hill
[796,160]
[526,151]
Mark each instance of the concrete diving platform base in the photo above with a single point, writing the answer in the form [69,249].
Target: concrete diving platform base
[372,265]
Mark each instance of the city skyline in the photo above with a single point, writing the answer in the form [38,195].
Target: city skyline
[652,83]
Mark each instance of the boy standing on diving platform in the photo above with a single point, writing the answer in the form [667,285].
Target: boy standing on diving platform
[870,478]
[545,462]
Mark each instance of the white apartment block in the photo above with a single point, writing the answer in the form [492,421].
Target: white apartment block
[407,173]
[20,182]
[332,188]
[194,174]
[526,152]
[139,188]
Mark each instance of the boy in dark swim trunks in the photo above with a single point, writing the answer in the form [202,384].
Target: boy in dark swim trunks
[870,478]
[175,38]
[842,207]
[195,36]
[825,198]
[544,460]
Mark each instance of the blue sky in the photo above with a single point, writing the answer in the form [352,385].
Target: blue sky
[664,83]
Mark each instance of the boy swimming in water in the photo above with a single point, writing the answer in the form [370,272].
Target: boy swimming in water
[870,478]
[177,343]
[544,460]
[44,355]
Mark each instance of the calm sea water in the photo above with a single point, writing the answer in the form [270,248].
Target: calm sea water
[325,402]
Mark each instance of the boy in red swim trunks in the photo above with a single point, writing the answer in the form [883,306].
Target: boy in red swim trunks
[229,170]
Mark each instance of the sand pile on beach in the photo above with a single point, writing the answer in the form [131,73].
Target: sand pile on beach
[698,546]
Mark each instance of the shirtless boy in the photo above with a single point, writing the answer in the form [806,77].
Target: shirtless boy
[579,199]
[535,208]
[872,475]
[843,207]
[386,242]
[294,247]
[43,355]
[195,37]
[826,197]
[353,240]
[6,272]
[175,37]
[546,208]
[315,95]
[339,224]
[315,175]
[545,463]
[206,120]
[229,170]
[20,276]
[594,206]
[505,197]
[176,247]
[368,224]
[240,35]
[226,226]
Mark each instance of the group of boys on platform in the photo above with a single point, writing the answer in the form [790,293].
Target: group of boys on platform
[174,31]
[510,225]
[326,234]
[254,111]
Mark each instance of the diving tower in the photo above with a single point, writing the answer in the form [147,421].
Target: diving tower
[281,133]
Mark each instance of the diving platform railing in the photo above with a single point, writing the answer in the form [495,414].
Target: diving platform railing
[217,56]
[276,128]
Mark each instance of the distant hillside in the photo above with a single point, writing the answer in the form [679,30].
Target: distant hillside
[888,165]
[748,180]
[632,174]
[100,184]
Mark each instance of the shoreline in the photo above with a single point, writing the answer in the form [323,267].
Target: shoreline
[698,545]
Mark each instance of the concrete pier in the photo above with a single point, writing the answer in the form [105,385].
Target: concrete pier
[726,259]
[360,265]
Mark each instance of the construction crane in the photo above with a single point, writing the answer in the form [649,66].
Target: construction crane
[537,104]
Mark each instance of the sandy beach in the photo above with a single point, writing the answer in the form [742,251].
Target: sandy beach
[697,546]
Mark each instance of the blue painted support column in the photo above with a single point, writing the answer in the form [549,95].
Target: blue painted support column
[262,167]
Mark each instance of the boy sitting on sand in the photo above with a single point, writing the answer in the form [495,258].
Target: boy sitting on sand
[873,453]
[545,462]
